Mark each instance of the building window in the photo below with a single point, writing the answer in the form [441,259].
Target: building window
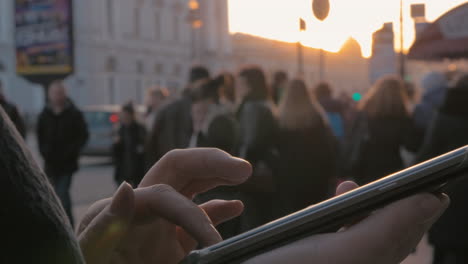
[158,68]
[110,17]
[137,21]
[111,64]
[111,88]
[176,28]
[139,91]
[157,26]
[158,3]
[177,70]
[2,67]
[140,67]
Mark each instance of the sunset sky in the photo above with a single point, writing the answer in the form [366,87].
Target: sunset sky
[278,19]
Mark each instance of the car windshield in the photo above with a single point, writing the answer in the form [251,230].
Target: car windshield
[98,119]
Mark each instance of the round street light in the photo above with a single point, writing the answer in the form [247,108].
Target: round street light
[321,8]
[193,5]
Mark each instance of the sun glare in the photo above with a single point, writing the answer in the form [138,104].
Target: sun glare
[279,19]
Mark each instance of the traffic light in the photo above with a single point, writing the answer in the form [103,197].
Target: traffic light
[357,97]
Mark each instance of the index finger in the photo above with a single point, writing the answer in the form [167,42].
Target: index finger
[198,170]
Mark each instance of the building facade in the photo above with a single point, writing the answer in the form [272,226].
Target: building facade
[384,57]
[346,71]
[123,47]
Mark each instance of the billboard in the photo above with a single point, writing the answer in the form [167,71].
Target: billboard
[44,39]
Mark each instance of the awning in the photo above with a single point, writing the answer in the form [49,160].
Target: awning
[447,37]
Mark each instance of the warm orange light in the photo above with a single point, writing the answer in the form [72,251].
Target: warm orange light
[197,24]
[193,5]
[357,19]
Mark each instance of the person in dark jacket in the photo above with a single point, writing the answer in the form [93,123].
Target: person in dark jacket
[215,127]
[448,132]
[12,112]
[128,149]
[173,126]
[258,130]
[334,109]
[434,86]
[382,127]
[61,133]
[156,98]
[280,83]
[308,151]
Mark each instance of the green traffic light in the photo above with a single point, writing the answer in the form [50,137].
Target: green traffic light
[357,97]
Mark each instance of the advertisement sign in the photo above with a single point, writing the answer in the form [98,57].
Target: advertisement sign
[44,39]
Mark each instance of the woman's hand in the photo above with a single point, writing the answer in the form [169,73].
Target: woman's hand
[386,237]
[157,222]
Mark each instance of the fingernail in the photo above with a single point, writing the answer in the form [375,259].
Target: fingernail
[433,207]
[122,200]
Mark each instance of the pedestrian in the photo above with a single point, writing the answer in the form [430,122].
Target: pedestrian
[215,127]
[155,100]
[114,231]
[61,133]
[280,84]
[434,87]
[449,131]
[334,108]
[128,148]
[227,92]
[173,127]
[258,131]
[382,127]
[308,151]
[12,112]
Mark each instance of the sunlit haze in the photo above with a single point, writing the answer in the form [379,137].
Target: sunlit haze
[278,19]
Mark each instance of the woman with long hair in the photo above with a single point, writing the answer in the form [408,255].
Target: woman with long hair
[308,150]
[382,127]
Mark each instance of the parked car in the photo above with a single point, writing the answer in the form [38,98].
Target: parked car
[103,122]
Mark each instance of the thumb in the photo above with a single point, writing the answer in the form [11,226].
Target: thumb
[106,230]
[392,232]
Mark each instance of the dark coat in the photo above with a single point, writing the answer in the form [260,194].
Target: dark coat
[172,130]
[128,154]
[258,132]
[36,229]
[379,153]
[221,132]
[14,115]
[61,138]
[308,162]
[449,131]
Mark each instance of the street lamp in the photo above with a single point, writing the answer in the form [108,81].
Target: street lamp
[321,9]
[194,19]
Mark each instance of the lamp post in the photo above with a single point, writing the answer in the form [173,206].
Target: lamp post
[321,9]
[402,69]
[300,54]
[195,22]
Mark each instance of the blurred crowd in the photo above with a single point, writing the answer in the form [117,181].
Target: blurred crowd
[302,141]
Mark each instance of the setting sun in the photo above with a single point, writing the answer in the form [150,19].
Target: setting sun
[278,19]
